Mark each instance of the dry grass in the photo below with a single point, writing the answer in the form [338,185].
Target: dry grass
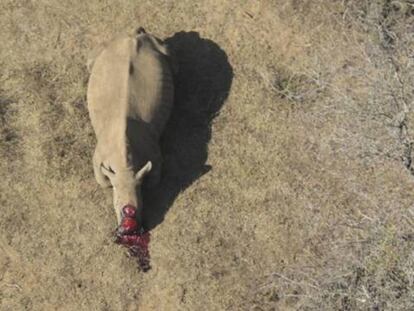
[288,181]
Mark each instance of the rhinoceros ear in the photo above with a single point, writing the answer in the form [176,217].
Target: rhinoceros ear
[143,171]
[108,172]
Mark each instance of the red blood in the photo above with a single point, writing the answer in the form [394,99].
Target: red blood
[133,238]
[137,245]
[128,224]
[129,211]
[127,240]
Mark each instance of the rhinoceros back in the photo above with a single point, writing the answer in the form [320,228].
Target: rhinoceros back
[130,96]
[151,90]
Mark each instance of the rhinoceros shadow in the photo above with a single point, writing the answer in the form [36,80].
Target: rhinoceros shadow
[202,85]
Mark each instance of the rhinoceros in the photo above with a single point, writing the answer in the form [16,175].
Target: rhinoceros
[130,97]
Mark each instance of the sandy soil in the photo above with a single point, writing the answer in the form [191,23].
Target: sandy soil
[288,181]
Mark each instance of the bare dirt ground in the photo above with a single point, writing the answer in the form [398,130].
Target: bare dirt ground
[288,180]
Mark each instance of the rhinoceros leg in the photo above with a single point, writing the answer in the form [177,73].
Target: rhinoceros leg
[101,179]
